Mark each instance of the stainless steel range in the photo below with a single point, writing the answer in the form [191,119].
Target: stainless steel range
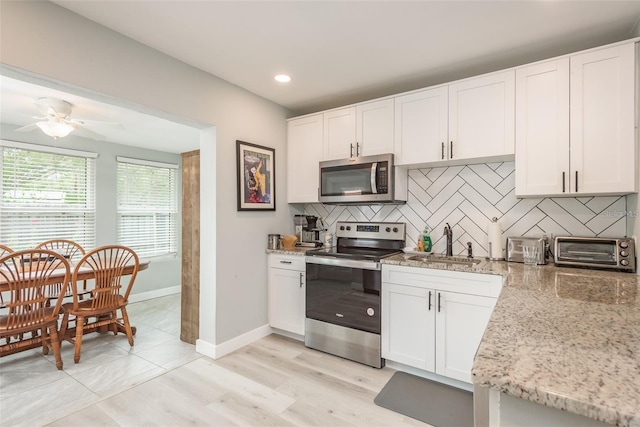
[343,290]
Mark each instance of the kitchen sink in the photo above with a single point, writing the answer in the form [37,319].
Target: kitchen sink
[445,259]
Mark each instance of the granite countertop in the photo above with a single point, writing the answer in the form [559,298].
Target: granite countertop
[296,250]
[566,338]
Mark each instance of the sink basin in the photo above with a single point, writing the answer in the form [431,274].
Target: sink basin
[445,259]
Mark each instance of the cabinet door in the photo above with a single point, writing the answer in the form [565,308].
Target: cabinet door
[339,134]
[374,128]
[408,316]
[482,116]
[602,121]
[542,128]
[460,323]
[421,126]
[287,300]
[304,151]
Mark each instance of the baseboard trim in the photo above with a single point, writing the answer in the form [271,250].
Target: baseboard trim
[143,296]
[217,351]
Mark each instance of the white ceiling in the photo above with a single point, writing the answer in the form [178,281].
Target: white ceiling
[337,52]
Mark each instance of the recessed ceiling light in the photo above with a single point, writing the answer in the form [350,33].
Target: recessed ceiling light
[283,78]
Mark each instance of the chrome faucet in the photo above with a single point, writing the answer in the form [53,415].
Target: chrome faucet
[449,234]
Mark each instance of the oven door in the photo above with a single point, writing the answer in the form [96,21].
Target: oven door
[344,292]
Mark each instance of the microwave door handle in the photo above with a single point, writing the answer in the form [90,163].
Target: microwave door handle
[374,173]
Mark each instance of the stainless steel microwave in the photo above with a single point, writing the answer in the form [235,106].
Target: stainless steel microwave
[358,180]
[595,252]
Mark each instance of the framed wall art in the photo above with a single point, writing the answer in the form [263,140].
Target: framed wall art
[256,177]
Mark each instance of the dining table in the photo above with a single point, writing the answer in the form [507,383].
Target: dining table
[84,273]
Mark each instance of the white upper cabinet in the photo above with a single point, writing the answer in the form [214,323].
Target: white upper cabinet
[304,151]
[374,128]
[364,130]
[575,131]
[469,120]
[482,116]
[339,134]
[542,127]
[421,133]
[603,153]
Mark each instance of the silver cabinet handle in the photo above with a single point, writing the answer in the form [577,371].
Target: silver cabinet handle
[350,150]
[357,149]
[439,302]
[576,181]
[429,300]
[451,149]
[443,151]
[301,283]
[563,182]
[285,262]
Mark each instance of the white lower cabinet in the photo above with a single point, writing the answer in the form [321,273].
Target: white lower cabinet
[287,292]
[434,319]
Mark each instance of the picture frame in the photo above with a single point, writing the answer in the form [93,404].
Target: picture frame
[256,177]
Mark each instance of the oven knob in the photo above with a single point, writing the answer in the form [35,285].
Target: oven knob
[370,311]
[395,229]
[624,262]
[624,245]
[388,229]
[342,227]
[624,253]
[348,228]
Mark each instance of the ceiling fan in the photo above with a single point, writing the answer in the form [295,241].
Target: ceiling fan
[56,122]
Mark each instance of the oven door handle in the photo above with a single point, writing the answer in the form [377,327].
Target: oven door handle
[341,262]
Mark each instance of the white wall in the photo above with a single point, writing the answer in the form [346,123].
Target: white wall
[163,273]
[50,41]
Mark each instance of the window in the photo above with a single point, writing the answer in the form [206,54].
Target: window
[47,193]
[147,206]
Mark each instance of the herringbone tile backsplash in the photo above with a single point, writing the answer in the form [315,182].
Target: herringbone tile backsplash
[467,197]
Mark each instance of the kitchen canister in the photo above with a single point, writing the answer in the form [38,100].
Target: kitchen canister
[273,241]
[494,236]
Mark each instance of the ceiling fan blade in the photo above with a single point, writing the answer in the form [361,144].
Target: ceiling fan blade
[83,131]
[91,123]
[27,128]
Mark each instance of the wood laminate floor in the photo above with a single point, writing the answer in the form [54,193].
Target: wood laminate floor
[162,381]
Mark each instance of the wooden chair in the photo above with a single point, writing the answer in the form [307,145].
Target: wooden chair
[3,251]
[71,251]
[26,275]
[100,310]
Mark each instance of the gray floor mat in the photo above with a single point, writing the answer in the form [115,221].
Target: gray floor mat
[428,401]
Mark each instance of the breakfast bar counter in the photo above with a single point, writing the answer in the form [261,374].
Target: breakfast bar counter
[565,338]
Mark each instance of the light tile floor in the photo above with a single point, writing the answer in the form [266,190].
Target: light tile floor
[33,392]
[162,381]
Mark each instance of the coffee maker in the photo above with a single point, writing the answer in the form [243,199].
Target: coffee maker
[308,231]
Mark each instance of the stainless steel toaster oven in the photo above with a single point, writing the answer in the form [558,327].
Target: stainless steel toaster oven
[595,252]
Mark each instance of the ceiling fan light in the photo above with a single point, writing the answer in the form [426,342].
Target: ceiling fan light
[55,129]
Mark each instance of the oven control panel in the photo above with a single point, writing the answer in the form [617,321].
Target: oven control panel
[371,230]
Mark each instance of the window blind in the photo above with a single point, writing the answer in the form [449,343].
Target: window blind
[147,195]
[46,194]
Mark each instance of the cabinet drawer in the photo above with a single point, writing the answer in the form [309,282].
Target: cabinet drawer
[288,262]
[453,281]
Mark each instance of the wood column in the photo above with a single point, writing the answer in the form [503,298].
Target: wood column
[190,305]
